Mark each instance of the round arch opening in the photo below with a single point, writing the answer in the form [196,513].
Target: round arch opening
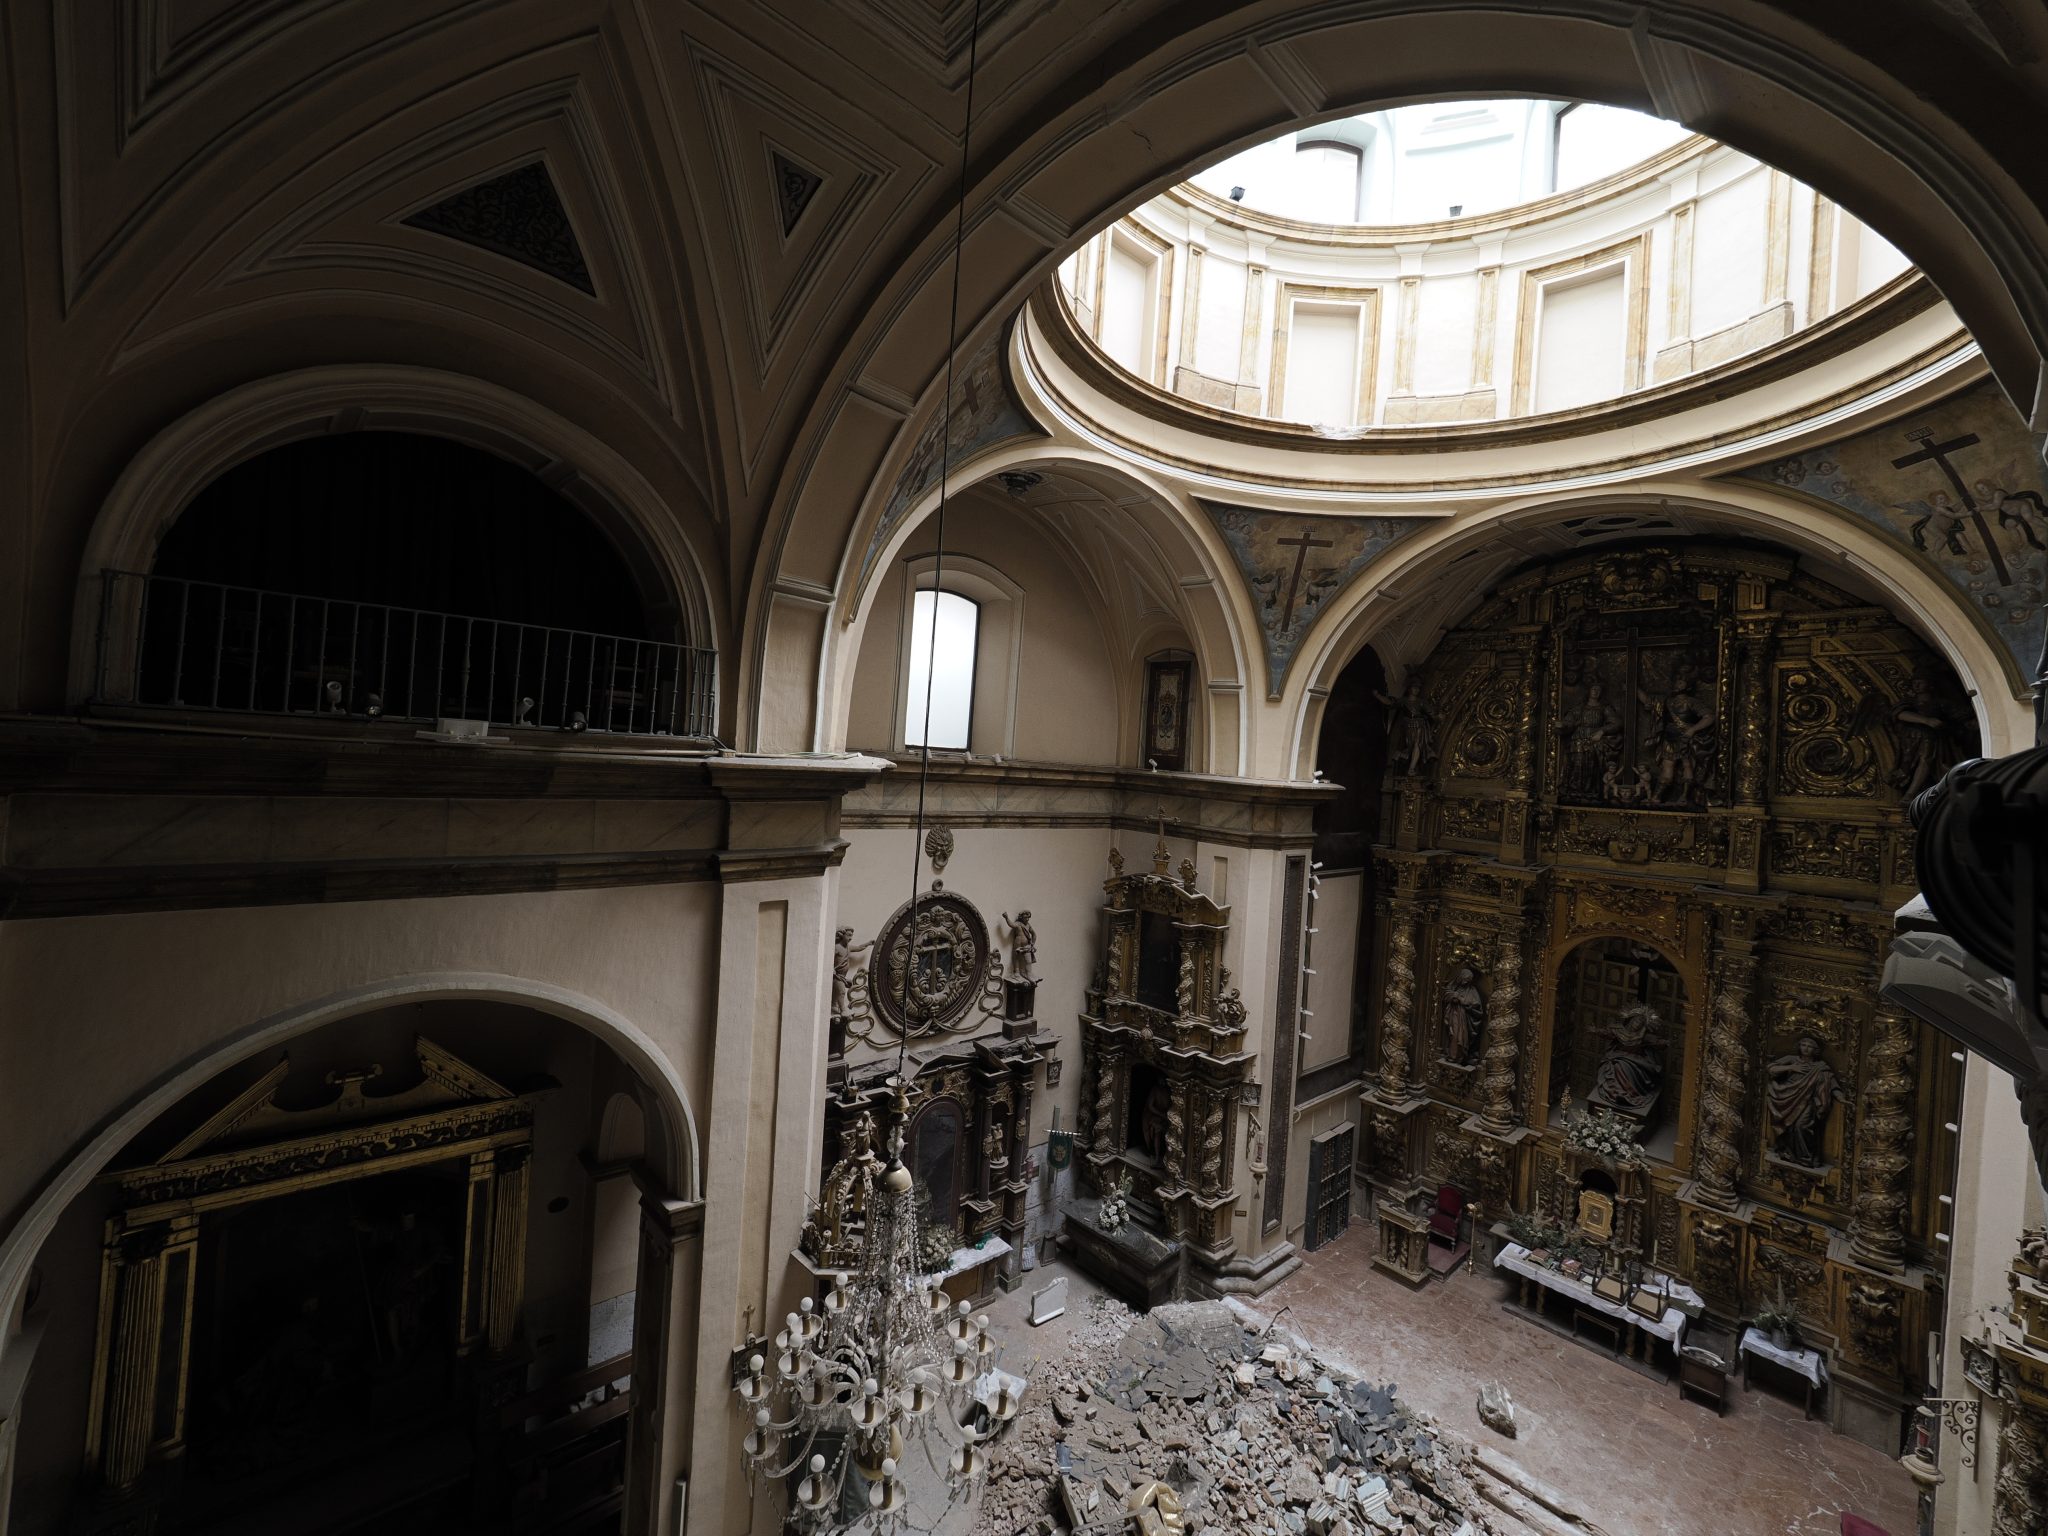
[297,1284]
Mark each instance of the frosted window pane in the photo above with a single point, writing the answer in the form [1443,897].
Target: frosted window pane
[1322,366]
[1579,348]
[1126,309]
[1595,141]
[1325,189]
[952,681]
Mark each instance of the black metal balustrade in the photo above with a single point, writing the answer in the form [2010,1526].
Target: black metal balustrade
[170,642]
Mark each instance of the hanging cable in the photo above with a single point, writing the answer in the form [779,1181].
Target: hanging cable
[924,766]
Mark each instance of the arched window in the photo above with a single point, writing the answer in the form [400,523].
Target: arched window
[939,705]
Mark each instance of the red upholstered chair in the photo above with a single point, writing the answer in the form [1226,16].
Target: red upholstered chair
[1445,1219]
[1856,1525]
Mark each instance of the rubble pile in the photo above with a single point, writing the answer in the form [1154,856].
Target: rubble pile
[1185,1420]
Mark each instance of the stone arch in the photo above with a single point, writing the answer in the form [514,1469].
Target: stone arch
[681,1162]
[1847,112]
[179,461]
[1410,573]
[1172,530]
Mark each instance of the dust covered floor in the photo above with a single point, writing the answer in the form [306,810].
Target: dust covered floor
[1624,1449]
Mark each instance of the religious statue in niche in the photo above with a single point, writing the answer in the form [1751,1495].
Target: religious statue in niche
[1464,1016]
[1023,946]
[1631,1072]
[1802,1089]
[1152,1120]
[1592,742]
[1678,757]
[1412,731]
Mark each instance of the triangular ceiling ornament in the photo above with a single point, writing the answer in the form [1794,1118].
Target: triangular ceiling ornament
[786,256]
[390,206]
[795,186]
[517,214]
[1296,564]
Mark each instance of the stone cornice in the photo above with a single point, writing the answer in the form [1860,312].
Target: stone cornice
[269,758]
[94,891]
[104,819]
[969,793]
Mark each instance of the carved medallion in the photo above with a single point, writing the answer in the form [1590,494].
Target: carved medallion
[934,961]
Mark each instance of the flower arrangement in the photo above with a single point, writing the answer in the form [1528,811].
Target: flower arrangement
[1115,1211]
[936,1240]
[1603,1134]
[1779,1318]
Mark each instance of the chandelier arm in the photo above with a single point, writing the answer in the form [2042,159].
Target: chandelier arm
[776,1474]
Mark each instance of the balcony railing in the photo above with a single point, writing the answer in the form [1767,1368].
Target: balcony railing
[173,643]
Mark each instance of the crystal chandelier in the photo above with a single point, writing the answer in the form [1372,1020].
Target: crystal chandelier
[886,1361]
[884,1364]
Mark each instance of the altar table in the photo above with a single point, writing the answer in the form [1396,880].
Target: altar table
[1683,1303]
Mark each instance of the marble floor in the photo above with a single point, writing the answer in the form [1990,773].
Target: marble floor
[1625,1450]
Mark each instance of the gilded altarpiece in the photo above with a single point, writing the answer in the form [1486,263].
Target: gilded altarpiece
[1164,1070]
[1647,857]
[477,1132]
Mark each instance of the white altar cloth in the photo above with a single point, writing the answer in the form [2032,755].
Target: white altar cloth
[1514,1258]
[1802,1362]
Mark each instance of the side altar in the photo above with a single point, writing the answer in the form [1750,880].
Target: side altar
[1164,1068]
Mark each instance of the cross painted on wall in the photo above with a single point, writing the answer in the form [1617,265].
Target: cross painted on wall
[1301,545]
[2009,504]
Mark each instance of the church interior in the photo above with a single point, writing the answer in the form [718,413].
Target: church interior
[1024,766]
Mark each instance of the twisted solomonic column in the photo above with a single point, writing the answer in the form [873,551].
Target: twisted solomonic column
[1752,741]
[1397,1005]
[1717,1154]
[1503,1023]
[2019,1504]
[1877,1231]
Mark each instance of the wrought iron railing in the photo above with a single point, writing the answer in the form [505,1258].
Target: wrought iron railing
[174,643]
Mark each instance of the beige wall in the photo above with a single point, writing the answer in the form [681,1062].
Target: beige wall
[142,995]
[1067,704]
[1998,1195]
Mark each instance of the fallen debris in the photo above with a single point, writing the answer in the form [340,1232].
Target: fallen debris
[1186,1420]
[1496,1408]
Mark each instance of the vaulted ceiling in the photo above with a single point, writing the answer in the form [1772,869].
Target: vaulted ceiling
[713,235]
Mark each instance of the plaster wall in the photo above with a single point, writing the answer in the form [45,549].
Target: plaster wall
[141,995]
[1998,1196]
[1064,704]
[1219,331]
[1730,241]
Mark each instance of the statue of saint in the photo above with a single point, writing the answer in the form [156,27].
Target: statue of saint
[1921,731]
[1412,733]
[1152,1122]
[1023,946]
[1464,1015]
[1630,1076]
[845,965]
[1802,1088]
[1592,737]
[1682,718]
